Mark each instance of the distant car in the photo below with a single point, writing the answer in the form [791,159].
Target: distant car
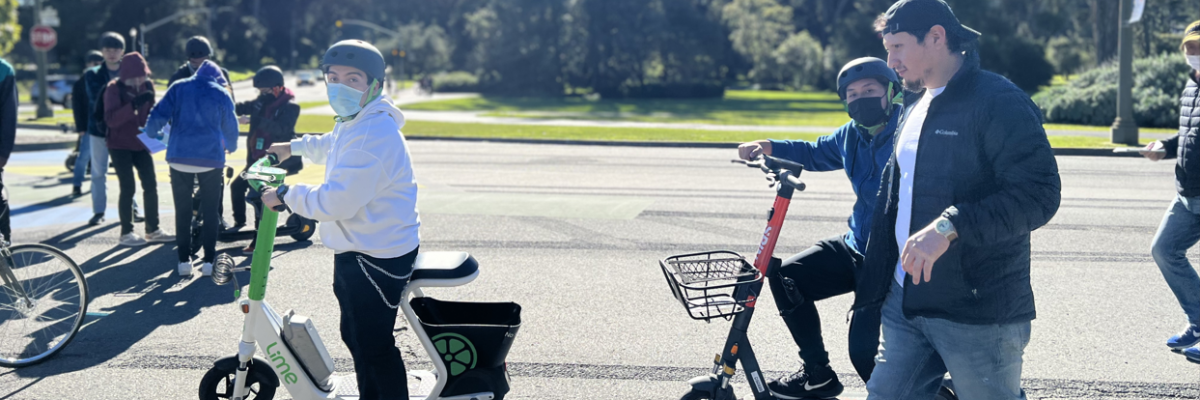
[60,89]
[305,78]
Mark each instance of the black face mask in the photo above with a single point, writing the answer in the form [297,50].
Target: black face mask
[267,97]
[867,111]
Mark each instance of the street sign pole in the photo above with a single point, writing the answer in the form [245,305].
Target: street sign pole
[1124,128]
[43,109]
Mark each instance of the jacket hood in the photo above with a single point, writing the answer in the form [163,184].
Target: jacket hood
[381,105]
[209,71]
[133,66]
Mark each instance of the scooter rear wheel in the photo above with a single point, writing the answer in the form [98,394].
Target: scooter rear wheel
[306,231]
[699,395]
[218,383]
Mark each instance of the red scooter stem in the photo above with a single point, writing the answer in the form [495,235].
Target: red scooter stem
[766,248]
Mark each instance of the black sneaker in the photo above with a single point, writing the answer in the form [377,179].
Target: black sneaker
[77,192]
[819,383]
[96,220]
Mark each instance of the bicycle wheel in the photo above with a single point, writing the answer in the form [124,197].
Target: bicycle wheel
[43,301]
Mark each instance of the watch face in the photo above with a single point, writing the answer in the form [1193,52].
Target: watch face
[943,225]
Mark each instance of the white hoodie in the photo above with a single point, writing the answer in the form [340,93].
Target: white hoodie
[368,202]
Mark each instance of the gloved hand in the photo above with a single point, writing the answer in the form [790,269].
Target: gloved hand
[142,99]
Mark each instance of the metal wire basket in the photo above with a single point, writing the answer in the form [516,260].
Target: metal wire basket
[705,283]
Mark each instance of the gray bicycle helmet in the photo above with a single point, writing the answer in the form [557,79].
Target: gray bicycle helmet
[198,47]
[112,40]
[268,77]
[94,56]
[357,54]
[867,67]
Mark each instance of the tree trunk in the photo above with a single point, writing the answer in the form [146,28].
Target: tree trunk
[1105,16]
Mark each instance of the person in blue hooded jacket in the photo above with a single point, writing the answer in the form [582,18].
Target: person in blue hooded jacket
[872,94]
[203,129]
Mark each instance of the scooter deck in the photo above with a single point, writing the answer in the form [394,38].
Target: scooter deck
[420,385]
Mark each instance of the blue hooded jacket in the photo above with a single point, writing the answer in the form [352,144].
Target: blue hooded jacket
[203,124]
[862,156]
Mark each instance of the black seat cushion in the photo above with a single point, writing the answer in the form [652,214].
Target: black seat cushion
[445,265]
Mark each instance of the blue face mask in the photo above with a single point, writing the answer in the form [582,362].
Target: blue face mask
[344,99]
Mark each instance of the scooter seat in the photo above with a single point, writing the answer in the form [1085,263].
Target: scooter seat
[444,265]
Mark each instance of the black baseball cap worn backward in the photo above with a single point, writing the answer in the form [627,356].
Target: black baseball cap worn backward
[921,15]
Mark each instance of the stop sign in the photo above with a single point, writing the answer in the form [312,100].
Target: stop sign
[43,38]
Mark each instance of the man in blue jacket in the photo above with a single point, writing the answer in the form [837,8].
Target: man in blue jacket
[972,175]
[872,93]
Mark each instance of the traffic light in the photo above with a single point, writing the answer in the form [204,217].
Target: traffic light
[395,52]
[402,53]
[338,24]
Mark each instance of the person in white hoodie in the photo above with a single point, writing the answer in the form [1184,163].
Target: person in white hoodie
[368,209]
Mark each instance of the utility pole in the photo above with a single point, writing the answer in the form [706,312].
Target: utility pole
[1124,128]
[43,109]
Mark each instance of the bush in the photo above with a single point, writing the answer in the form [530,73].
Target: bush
[457,81]
[1021,60]
[665,91]
[1091,98]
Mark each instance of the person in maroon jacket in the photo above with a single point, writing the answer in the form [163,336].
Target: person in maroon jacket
[127,102]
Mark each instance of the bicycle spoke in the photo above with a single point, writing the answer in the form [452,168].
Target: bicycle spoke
[52,283]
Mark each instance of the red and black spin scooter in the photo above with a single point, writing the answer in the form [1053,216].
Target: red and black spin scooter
[721,284]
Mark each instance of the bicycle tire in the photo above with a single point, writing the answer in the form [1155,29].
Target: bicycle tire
[75,281]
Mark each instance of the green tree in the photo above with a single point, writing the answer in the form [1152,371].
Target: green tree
[801,60]
[757,28]
[10,30]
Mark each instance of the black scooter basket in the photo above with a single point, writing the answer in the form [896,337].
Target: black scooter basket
[472,339]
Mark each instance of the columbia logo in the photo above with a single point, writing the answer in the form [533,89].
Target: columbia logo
[945,132]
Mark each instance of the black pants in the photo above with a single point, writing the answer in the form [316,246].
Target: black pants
[6,213]
[182,185]
[125,162]
[368,291]
[237,193]
[827,269]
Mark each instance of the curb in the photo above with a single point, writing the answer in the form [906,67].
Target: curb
[25,147]
[1108,152]
[43,127]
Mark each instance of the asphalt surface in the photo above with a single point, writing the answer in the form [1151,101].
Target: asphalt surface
[574,234]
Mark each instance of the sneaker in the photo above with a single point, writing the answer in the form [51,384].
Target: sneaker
[96,220]
[159,237]
[77,192]
[816,384]
[249,250]
[185,269]
[132,240]
[1188,338]
[138,218]
[1192,354]
[206,269]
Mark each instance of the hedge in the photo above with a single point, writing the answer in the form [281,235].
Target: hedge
[1091,98]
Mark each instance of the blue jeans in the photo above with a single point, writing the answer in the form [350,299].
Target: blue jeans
[99,147]
[915,354]
[83,159]
[1179,231]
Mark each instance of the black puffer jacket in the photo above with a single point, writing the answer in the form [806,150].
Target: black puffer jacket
[984,162]
[1186,145]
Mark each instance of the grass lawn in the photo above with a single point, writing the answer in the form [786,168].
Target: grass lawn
[316,123]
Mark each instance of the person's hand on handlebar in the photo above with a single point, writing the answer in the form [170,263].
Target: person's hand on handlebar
[282,151]
[1153,151]
[751,150]
[269,197]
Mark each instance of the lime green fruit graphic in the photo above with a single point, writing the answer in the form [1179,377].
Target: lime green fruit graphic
[458,352]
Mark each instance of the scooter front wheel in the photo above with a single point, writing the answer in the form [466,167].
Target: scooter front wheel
[218,383]
[700,395]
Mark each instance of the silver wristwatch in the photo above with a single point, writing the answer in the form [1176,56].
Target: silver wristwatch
[944,227]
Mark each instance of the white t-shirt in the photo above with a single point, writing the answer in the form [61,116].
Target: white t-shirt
[906,158]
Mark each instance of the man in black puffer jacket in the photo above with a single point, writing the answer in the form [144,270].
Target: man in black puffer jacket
[1180,228]
[949,254]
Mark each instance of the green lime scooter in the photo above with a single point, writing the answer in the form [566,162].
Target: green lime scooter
[467,342]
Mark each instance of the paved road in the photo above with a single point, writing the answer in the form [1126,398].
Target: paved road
[573,233]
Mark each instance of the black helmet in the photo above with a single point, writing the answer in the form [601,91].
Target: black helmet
[198,47]
[357,54]
[867,67]
[94,56]
[268,77]
[112,40]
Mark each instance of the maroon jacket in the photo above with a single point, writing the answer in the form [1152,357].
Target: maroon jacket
[123,120]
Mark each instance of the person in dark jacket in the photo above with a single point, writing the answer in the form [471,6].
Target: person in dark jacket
[198,51]
[203,129]
[79,107]
[1180,227]
[8,136]
[112,46]
[873,96]
[127,103]
[272,119]
[949,255]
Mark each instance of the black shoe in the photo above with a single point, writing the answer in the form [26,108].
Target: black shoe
[77,192]
[96,220]
[819,383]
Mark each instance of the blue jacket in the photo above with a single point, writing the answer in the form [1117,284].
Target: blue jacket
[983,161]
[203,124]
[862,156]
[95,80]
